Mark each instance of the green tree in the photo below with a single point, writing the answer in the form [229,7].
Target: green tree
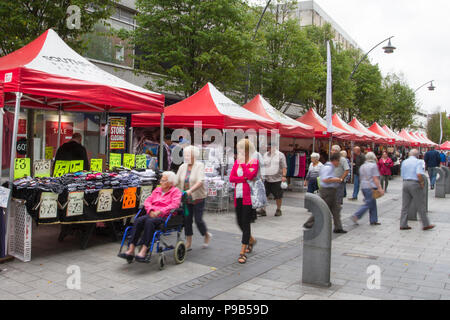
[192,42]
[434,127]
[24,20]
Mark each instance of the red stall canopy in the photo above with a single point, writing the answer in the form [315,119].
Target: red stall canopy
[400,141]
[51,75]
[373,137]
[428,140]
[445,145]
[423,142]
[210,107]
[287,126]
[356,134]
[413,141]
[312,119]
[375,127]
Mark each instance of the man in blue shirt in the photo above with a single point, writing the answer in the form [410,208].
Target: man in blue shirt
[412,172]
[443,158]
[329,184]
[432,161]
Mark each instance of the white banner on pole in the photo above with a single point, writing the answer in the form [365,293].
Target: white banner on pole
[440,125]
[329,102]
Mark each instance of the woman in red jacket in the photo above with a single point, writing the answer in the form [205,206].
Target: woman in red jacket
[384,165]
[244,169]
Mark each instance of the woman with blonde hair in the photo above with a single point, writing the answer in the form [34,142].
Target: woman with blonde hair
[245,169]
[191,177]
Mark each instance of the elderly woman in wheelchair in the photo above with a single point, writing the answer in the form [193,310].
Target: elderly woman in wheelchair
[160,207]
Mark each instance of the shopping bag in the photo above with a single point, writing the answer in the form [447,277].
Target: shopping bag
[258,193]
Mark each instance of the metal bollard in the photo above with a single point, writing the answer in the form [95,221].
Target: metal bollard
[447,179]
[317,243]
[440,184]
[412,211]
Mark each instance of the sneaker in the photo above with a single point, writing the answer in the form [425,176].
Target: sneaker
[340,231]
[278,213]
[354,219]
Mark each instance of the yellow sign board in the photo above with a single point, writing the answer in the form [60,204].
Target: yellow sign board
[97,165]
[62,167]
[128,160]
[76,165]
[22,168]
[141,161]
[115,160]
[48,153]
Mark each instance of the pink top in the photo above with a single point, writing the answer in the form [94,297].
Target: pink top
[385,165]
[250,170]
[163,202]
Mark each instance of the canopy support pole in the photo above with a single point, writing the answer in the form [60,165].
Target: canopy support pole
[329,147]
[12,164]
[161,142]
[58,143]
[314,144]
[352,145]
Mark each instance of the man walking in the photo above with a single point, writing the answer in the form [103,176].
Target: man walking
[432,161]
[275,170]
[358,161]
[412,193]
[341,171]
[329,184]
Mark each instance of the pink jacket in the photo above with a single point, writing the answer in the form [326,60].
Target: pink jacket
[250,171]
[385,166]
[163,202]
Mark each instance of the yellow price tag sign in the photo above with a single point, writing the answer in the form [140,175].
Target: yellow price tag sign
[48,153]
[129,198]
[76,165]
[115,160]
[61,168]
[128,160]
[97,165]
[141,161]
[22,168]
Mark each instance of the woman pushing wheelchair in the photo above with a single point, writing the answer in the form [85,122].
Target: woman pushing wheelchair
[158,207]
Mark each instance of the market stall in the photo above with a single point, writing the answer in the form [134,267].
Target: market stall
[374,137]
[48,74]
[445,145]
[399,140]
[412,141]
[376,128]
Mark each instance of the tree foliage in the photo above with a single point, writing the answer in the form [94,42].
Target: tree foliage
[24,20]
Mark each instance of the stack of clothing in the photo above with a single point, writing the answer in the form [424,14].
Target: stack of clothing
[146,177]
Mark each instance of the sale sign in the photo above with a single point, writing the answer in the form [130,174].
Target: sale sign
[117,133]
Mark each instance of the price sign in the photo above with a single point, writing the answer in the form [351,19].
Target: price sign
[104,202]
[49,205]
[62,167]
[76,165]
[115,160]
[97,165]
[128,160]
[146,191]
[4,197]
[21,146]
[141,161]
[42,168]
[75,204]
[209,168]
[129,198]
[22,168]
[48,153]
[212,192]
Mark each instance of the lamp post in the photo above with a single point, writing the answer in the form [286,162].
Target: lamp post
[431,87]
[389,48]
[247,79]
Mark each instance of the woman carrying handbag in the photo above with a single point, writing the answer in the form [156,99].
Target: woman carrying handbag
[245,169]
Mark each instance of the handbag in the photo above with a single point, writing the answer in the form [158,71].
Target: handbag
[376,194]
[257,193]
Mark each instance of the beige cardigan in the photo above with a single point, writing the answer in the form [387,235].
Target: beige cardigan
[197,174]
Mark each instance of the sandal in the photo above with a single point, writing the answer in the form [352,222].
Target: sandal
[242,258]
[250,246]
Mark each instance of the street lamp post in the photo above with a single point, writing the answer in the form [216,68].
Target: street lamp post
[389,48]
[247,79]
[431,87]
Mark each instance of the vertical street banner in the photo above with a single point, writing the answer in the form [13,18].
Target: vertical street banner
[440,126]
[329,95]
[117,133]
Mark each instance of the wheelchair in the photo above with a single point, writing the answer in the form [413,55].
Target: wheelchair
[173,223]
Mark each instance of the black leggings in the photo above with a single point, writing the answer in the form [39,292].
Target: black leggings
[195,212]
[244,215]
[146,224]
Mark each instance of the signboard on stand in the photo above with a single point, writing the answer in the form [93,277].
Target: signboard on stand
[117,133]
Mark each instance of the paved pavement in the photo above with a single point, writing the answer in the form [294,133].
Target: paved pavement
[414,264]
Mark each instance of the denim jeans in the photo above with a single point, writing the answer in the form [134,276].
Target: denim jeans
[432,172]
[369,204]
[356,186]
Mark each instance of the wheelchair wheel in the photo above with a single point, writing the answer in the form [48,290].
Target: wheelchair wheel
[179,253]
[161,261]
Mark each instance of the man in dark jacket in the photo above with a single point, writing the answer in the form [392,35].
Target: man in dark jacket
[432,161]
[73,150]
[358,161]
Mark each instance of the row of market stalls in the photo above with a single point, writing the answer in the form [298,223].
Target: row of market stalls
[47,75]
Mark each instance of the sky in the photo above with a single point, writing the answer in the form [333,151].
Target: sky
[421,30]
